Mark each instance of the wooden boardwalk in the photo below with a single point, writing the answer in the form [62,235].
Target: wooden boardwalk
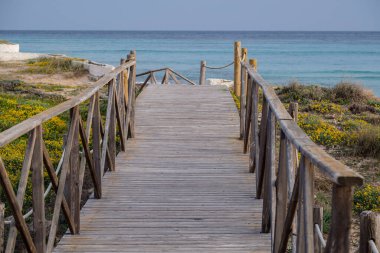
[182,185]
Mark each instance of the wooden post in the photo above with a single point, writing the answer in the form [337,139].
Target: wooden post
[112,129]
[72,183]
[254,138]
[38,193]
[2,206]
[293,110]
[281,192]
[243,93]
[268,201]
[369,230]
[237,67]
[318,220]
[133,95]
[202,77]
[96,137]
[339,235]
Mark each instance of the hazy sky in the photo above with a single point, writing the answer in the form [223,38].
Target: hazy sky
[301,15]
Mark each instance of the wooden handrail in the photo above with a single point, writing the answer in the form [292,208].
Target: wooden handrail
[119,120]
[336,171]
[289,184]
[168,73]
[24,127]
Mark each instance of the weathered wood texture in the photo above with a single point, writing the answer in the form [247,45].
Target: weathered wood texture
[182,184]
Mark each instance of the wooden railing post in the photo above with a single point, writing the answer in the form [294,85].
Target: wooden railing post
[72,182]
[38,193]
[305,230]
[254,140]
[262,149]
[369,230]
[281,192]
[202,77]
[133,95]
[268,201]
[339,236]
[243,93]
[237,67]
[112,126]
[96,137]
[318,220]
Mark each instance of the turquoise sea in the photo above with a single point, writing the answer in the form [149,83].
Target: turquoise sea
[309,57]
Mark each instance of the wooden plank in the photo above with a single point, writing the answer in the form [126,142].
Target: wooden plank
[83,159]
[16,210]
[248,116]
[182,184]
[106,135]
[37,168]
[54,180]
[254,140]
[339,235]
[96,154]
[262,149]
[307,236]
[174,77]
[291,211]
[318,221]
[269,173]
[112,125]
[281,193]
[62,181]
[369,230]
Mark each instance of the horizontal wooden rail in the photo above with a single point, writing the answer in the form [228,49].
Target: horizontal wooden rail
[67,180]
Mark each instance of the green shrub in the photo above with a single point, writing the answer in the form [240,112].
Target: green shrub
[296,92]
[367,141]
[346,92]
[367,198]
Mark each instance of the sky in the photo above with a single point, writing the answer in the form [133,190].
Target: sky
[247,15]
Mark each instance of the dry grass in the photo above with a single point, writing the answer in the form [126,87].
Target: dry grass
[5,42]
[54,65]
[347,92]
[368,141]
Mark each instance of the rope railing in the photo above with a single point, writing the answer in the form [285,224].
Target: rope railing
[222,67]
[202,77]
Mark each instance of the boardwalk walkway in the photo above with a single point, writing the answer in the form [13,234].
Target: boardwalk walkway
[182,185]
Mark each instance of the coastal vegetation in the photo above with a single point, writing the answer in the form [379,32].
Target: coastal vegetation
[26,90]
[5,42]
[344,120]
[54,65]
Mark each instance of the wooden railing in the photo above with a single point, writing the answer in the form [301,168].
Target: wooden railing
[90,144]
[285,184]
[169,75]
